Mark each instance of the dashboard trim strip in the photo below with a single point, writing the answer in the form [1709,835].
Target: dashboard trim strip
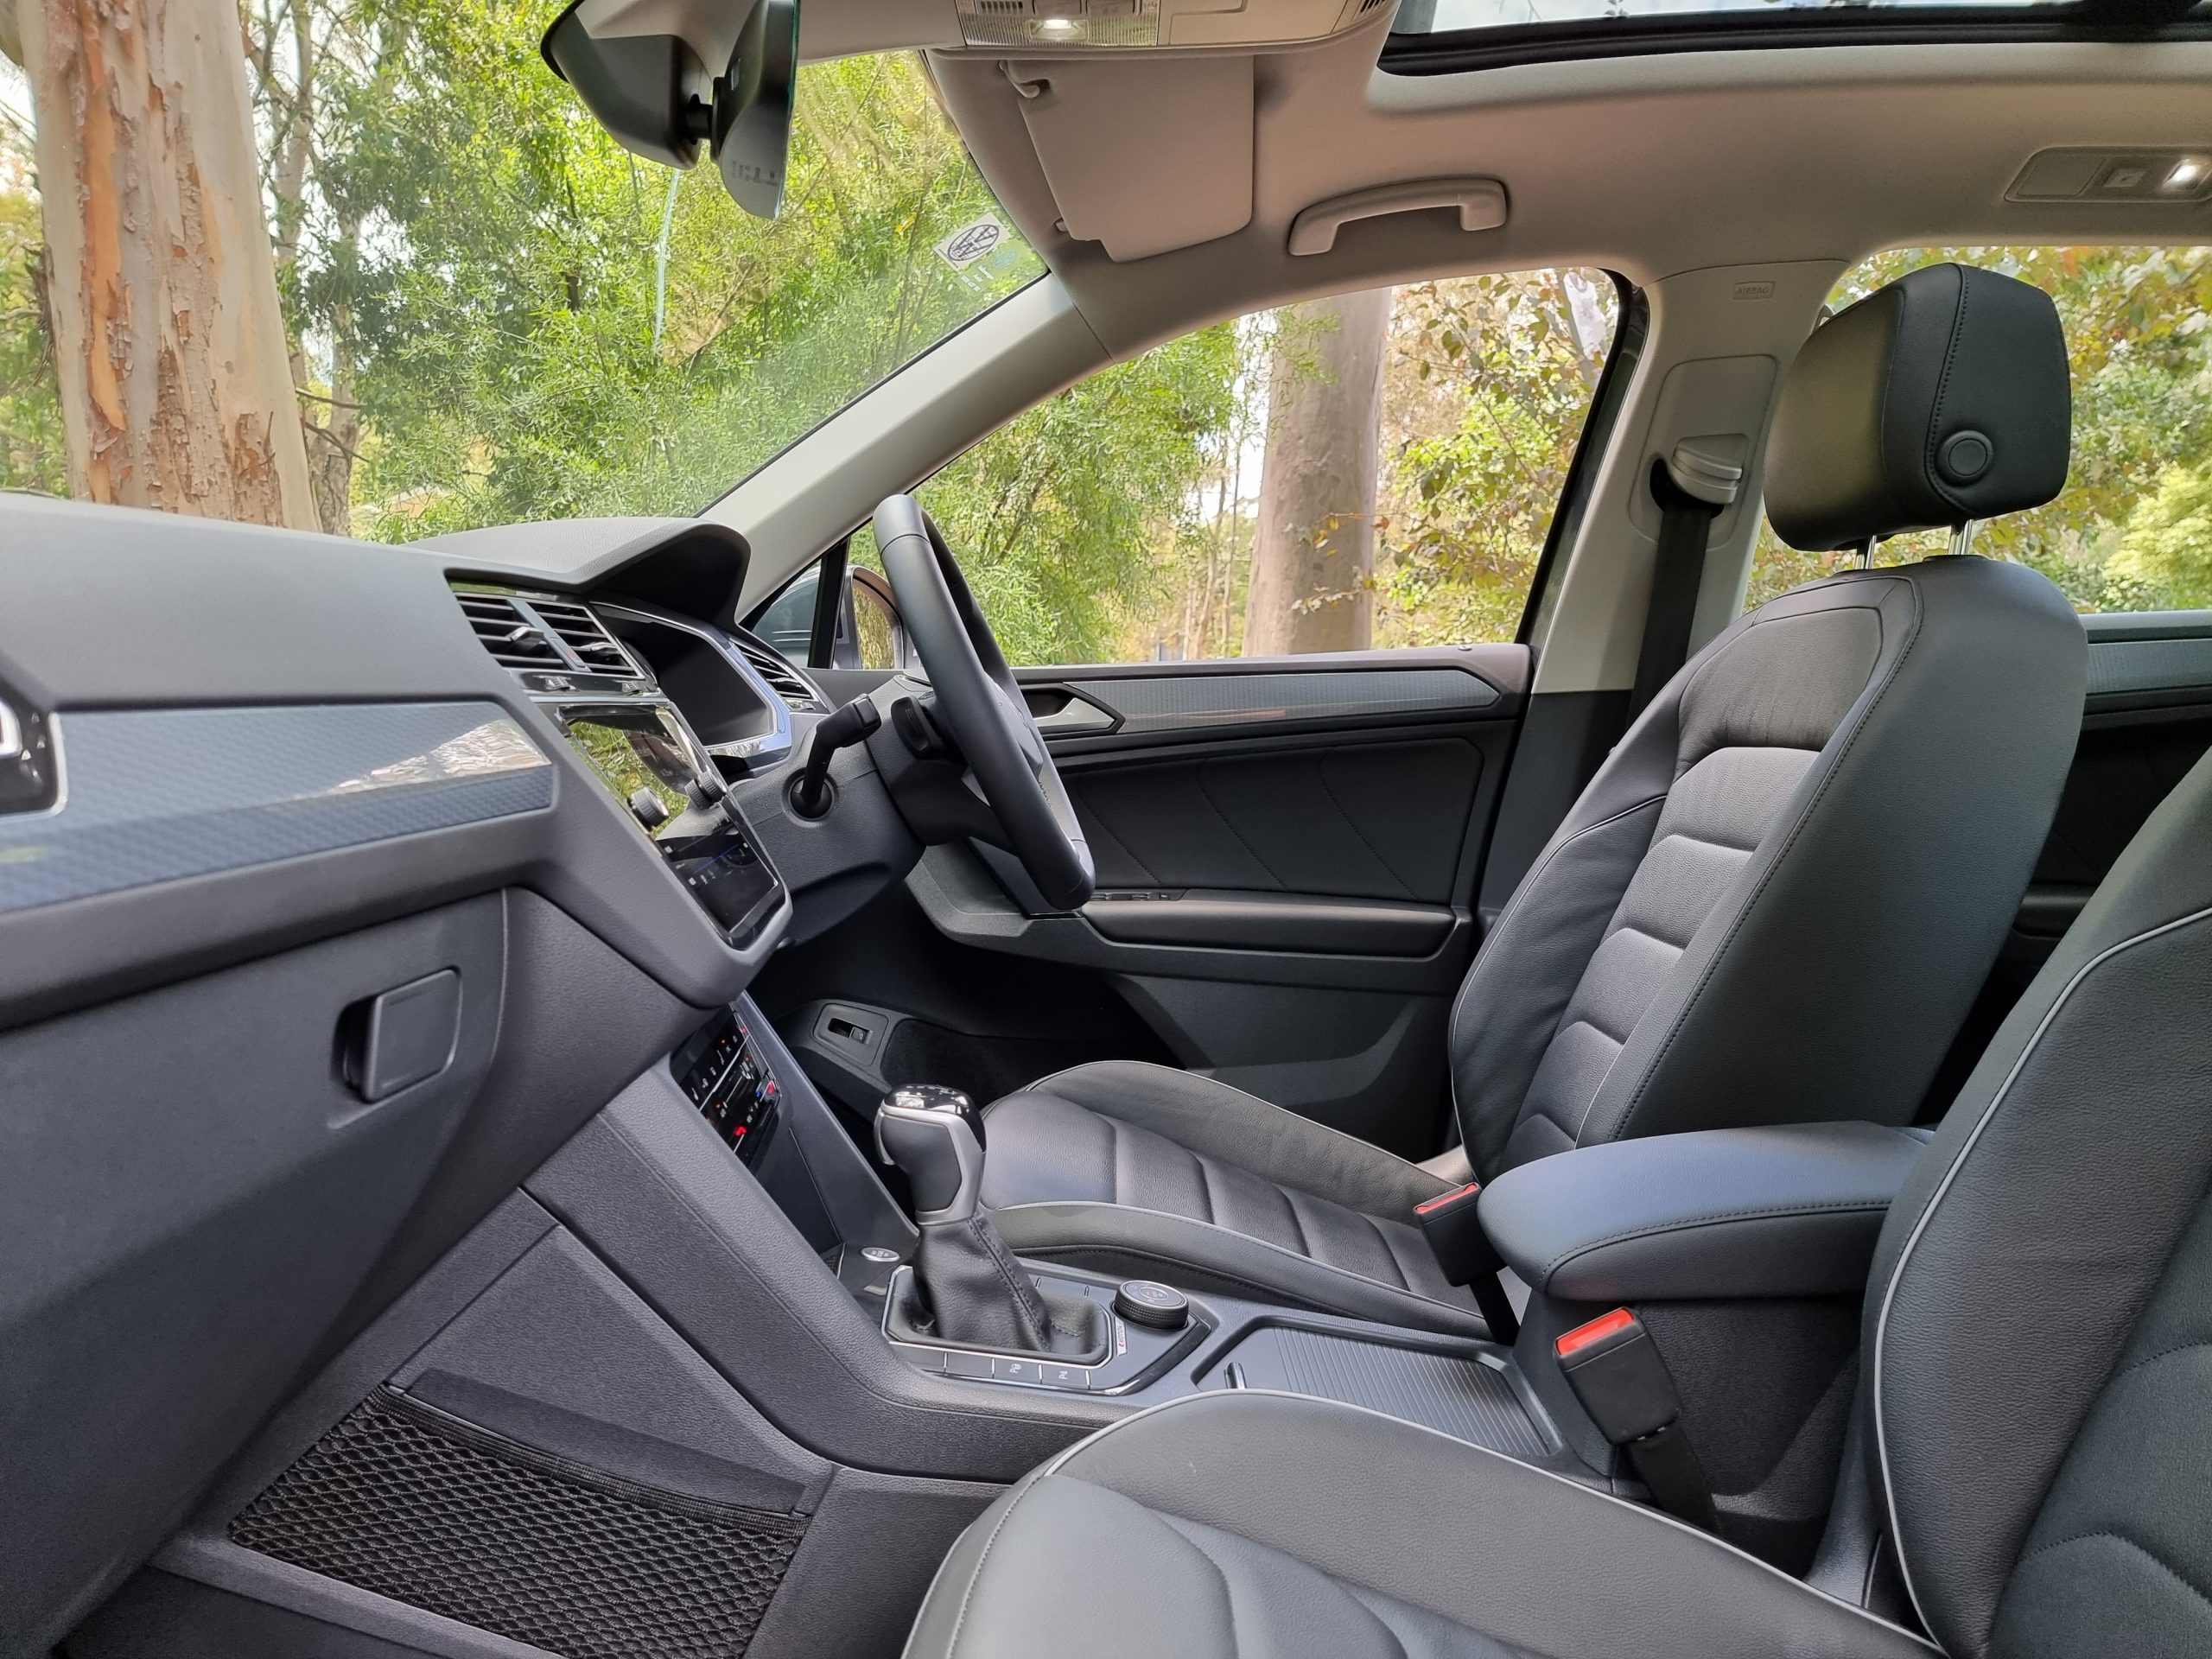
[164,794]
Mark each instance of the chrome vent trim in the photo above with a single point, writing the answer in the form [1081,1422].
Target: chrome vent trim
[793,687]
[513,638]
[585,637]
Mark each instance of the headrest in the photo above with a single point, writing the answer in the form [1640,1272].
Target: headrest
[1939,399]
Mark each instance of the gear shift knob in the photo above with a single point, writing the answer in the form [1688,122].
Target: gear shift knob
[935,1135]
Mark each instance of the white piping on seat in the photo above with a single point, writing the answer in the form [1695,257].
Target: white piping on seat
[1943,1187]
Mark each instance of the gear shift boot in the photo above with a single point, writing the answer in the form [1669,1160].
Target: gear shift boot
[977,1295]
[969,1289]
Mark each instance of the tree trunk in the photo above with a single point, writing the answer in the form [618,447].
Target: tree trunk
[1313,555]
[177,390]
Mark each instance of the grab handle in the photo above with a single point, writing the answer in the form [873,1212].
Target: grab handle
[1481,203]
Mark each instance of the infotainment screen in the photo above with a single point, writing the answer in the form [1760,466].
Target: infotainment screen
[644,746]
[634,749]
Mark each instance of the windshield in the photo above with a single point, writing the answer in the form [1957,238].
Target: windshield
[458,302]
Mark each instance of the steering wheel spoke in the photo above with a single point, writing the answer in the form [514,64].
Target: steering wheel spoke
[980,705]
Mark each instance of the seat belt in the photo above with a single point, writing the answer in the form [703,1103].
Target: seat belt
[1692,487]
[1452,1226]
[1615,1372]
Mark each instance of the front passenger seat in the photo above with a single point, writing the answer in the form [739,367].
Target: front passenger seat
[1774,902]
[2037,1374]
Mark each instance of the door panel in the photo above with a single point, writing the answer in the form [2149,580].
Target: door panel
[1355,821]
[1288,851]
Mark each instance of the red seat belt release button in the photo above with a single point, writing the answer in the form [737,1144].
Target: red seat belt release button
[1455,1235]
[1615,1372]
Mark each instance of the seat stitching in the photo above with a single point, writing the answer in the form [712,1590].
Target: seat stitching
[2142,1549]
[2152,1359]
[1362,1147]
[1297,1221]
[1225,1273]
[1943,1189]
[1227,1595]
[960,1618]
[1655,1518]
[1113,1148]
[1790,839]
[1344,1587]
[1506,917]
[1692,836]
[1389,1255]
[1774,1212]
[1206,1184]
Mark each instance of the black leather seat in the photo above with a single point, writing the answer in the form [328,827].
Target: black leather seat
[2036,1479]
[1774,902]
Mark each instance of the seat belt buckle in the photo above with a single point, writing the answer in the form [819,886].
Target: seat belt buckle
[1466,1257]
[1616,1371]
[1455,1235]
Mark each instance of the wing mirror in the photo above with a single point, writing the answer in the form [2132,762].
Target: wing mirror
[654,95]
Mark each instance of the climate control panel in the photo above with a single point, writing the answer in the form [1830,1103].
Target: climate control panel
[720,1070]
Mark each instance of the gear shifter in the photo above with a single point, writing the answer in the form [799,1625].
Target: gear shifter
[971,1287]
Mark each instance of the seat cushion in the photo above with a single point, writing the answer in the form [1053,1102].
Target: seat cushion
[1143,1170]
[1262,1526]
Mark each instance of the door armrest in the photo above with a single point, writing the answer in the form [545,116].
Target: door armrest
[1719,1214]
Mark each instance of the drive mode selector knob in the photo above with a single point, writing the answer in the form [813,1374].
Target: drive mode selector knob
[1146,1301]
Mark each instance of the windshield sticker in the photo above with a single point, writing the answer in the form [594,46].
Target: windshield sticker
[978,239]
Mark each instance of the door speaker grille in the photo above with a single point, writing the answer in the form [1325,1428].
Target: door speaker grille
[414,1504]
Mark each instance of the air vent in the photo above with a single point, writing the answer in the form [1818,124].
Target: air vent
[587,637]
[787,682]
[512,638]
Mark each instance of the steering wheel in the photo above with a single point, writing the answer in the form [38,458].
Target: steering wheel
[981,705]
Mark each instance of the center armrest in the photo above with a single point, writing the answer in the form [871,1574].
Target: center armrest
[1719,1214]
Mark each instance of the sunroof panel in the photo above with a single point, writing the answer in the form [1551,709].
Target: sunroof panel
[1450,16]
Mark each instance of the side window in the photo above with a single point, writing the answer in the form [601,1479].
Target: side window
[787,620]
[1376,469]
[2132,530]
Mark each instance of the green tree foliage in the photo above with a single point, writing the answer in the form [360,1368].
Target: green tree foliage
[1492,377]
[503,280]
[2131,531]
[32,454]
[1069,520]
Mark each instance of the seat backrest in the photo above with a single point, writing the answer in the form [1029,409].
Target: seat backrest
[1777,900]
[2038,1325]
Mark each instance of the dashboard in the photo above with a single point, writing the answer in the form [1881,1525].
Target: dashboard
[667,712]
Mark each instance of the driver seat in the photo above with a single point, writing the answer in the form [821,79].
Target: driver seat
[1774,902]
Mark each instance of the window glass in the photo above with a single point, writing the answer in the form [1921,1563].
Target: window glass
[2132,530]
[462,303]
[1378,469]
[787,620]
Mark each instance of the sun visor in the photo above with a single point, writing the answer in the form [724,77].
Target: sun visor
[1143,156]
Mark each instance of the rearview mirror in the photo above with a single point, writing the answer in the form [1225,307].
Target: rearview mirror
[655,98]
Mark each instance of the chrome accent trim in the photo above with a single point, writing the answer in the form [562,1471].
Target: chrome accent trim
[769,746]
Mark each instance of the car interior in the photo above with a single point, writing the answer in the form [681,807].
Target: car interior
[556,1105]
